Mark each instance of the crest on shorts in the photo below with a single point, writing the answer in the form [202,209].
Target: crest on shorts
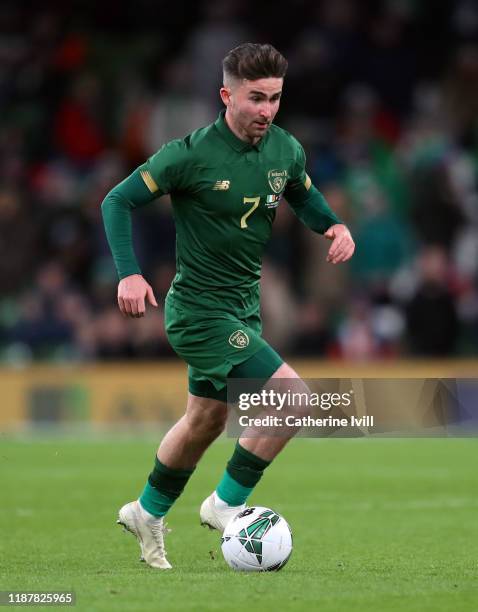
[277,180]
[239,339]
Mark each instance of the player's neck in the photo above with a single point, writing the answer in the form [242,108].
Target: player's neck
[241,134]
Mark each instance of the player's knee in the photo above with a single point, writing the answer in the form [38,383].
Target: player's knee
[216,426]
[209,425]
[296,392]
[206,417]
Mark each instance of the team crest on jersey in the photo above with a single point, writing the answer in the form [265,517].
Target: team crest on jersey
[277,180]
[239,339]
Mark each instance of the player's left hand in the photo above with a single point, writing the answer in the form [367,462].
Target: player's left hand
[342,247]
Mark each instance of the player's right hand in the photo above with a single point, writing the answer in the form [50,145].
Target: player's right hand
[132,292]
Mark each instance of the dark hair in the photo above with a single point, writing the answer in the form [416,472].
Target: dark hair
[254,61]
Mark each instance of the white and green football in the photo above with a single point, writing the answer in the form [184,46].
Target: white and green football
[257,540]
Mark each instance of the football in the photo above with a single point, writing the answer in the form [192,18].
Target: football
[257,540]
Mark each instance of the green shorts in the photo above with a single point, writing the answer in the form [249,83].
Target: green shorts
[218,345]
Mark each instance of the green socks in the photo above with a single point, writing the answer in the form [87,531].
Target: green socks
[163,488]
[243,472]
[165,485]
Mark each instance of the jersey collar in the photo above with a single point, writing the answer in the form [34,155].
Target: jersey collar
[232,140]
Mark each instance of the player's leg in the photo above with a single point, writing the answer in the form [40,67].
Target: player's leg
[177,456]
[252,455]
[267,447]
[180,450]
[215,348]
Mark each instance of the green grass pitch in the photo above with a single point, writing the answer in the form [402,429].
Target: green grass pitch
[378,525]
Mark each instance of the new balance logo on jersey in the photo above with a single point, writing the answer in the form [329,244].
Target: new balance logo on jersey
[221,185]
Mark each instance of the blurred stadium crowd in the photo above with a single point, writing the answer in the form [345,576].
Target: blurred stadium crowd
[384,97]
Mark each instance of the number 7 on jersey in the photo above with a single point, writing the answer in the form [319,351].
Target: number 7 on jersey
[255,204]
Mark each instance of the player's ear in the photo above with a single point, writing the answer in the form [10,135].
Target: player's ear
[225,94]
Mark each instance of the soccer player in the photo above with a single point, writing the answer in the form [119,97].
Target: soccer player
[225,181]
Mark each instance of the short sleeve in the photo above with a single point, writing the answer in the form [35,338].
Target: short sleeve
[166,170]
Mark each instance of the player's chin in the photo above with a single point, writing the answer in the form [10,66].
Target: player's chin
[259,129]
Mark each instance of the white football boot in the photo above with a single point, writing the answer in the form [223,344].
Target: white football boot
[216,514]
[149,531]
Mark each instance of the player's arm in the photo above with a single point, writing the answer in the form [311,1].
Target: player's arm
[312,209]
[161,173]
[116,209]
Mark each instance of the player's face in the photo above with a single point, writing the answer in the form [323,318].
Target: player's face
[252,106]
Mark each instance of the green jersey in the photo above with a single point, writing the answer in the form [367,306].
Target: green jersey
[224,194]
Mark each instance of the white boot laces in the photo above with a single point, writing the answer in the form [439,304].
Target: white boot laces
[159,530]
